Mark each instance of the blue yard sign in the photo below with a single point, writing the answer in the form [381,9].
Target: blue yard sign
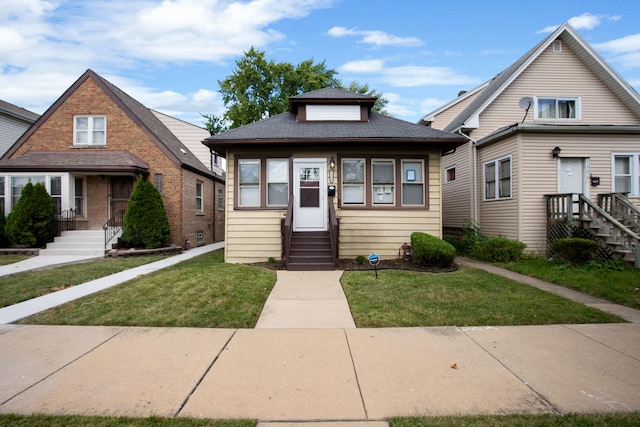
[374,259]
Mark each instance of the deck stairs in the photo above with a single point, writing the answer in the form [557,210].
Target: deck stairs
[76,243]
[310,251]
[574,215]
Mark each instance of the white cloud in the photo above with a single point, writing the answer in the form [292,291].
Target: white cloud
[586,21]
[375,37]
[365,66]
[47,45]
[414,75]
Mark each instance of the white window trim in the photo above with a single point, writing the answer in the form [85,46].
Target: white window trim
[352,184]
[536,110]
[269,181]
[200,197]
[67,193]
[89,130]
[496,181]
[635,171]
[446,174]
[241,185]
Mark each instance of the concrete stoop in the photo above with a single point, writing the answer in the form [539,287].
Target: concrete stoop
[76,243]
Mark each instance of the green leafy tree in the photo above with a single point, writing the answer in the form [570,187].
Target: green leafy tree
[214,124]
[145,223]
[381,103]
[32,220]
[259,88]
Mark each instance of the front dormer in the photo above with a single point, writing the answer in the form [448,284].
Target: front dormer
[331,105]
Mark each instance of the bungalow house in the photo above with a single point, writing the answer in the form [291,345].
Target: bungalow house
[329,178]
[553,139]
[14,121]
[88,149]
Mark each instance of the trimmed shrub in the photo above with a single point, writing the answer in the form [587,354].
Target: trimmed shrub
[32,220]
[3,235]
[145,223]
[497,249]
[432,251]
[576,250]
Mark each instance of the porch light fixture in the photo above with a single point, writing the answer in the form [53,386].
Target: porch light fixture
[555,153]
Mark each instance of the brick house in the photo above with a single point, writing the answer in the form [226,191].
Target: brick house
[92,144]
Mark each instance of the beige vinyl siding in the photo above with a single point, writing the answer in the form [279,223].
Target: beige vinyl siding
[499,217]
[190,135]
[539,174]
[444,118]
[363,232]
[250,235]
[457,196]
[555,74]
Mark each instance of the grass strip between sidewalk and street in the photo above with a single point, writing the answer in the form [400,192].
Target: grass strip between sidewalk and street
[467,297]
[631,419]
[20,287]
[202,292]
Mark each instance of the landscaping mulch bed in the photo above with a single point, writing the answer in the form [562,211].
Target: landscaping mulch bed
[353,265]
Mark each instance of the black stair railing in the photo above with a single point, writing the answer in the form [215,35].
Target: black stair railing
[113,226]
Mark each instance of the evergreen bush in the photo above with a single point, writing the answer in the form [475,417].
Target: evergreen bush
[32,220]
[3,235]
[498,249]
[145,223]
[576,250]
[431,251]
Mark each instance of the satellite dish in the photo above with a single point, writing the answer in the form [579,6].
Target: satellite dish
[525,102]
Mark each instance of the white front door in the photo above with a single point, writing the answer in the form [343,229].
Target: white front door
[310,195]
[571,176]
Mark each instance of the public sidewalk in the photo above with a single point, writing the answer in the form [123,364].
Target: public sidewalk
[317,367]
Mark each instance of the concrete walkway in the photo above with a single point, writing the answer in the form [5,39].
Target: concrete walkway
[30,307]
[307,363]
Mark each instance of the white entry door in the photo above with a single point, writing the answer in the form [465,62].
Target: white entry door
[571,176]
[310,195]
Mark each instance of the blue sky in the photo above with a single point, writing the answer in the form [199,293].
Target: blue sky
[171,54]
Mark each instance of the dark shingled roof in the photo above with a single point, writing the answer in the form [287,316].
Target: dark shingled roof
[332,93]
[18,112]
[141,115]
[92,161]
[283,129]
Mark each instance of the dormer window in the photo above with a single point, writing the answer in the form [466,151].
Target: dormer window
[90,130]
[550,108]
[333,113]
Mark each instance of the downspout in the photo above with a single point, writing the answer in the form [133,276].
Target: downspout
[474,175]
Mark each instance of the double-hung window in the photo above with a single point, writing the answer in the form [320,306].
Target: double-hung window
[626,173]
[277,182]
[55,191]
[383,182]
[78,195]
[497,179]
[262,183]
[199,197]
[550,108]
[412,183]
[383,172]
[249,183]
[90,130]
[353,171]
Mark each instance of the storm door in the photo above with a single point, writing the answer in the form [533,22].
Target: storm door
[121,187]
[310,196]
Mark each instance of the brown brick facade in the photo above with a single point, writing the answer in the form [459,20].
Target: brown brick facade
[123,133]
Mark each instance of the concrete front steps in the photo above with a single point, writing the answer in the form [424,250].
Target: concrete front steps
[76,243]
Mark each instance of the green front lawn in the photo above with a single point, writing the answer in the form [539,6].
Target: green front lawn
[618,286]
[30,284]
[202,292]
[467,297]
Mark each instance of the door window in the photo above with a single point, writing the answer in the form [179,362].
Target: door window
[309,187]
